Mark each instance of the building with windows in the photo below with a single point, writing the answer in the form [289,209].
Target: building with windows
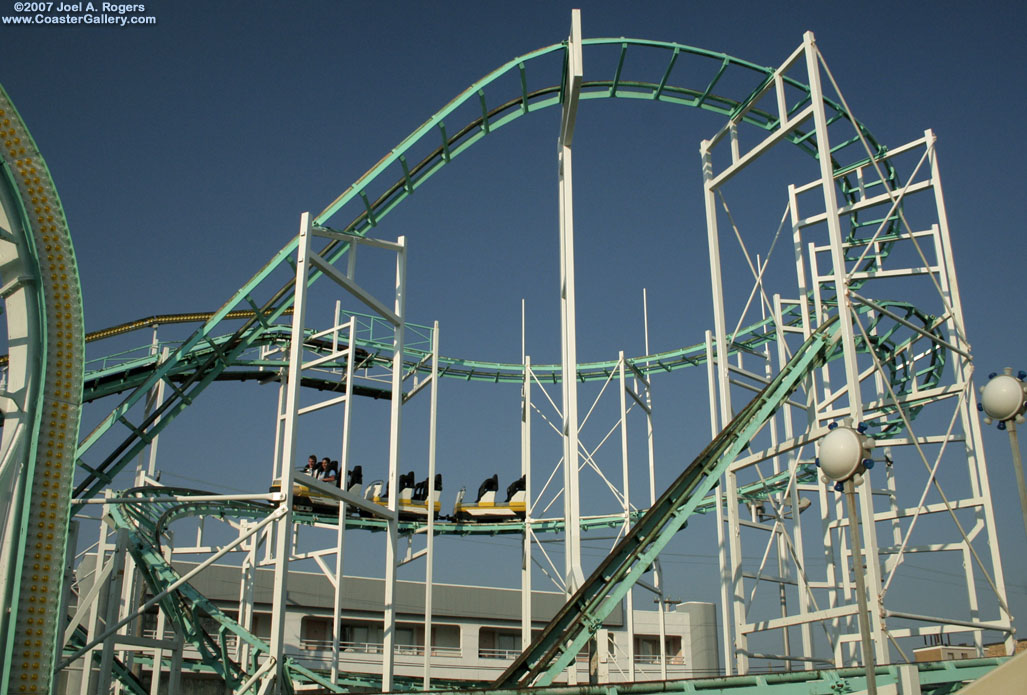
[475,631]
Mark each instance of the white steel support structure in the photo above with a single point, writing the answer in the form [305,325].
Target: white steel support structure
[287,452]
[633,390]
[904,372]
[89,611]
[395,412]
[718,352]
[113,602]
[307,263]
[430,531]
[350,331]
[572,559]
[132,585]
[878,650]
[645,400]
[640,392]
[526,568]
[629,599]
[573,451]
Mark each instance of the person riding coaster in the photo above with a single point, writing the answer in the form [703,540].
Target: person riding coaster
[307,499]
[485,507]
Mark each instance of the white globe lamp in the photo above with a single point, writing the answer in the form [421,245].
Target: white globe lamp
[1004,397]
[845,454]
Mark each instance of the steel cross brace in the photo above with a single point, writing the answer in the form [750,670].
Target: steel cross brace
[560,642]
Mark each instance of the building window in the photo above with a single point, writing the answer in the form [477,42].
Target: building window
[494,643]
[445,640]
[406,642]
[354,635]
[647,649]
[315,633]
[262,626]
[361,636]
[365,637]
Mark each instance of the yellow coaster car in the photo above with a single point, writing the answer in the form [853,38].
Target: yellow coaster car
[485,507]
[413,500]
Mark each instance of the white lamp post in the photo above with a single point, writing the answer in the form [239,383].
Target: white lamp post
[844,457]
[1004,399]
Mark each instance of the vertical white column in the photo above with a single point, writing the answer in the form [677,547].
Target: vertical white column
[573,575]
[175,672]
[392,544]
[340,541]
[113,610]
[151,468]
[284,525]
[629,600]
[721,348]
[650,445]
[725,597]
[855,404]
[430,556]
[158,658]
[279,427]
[247,581]
[968,414]
[801,578]
[526,472]
[834,230]
[736,585]
[649,407]
[720,356]
[103,547]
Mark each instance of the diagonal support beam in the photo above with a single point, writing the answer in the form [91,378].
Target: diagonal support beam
[559,643]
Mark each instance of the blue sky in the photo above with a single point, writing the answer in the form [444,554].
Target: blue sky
[185,152]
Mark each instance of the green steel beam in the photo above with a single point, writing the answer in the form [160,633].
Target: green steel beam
[936,678]
[125,370]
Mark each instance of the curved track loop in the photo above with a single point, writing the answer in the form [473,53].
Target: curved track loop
[908,369]
[41,402]
[511,90]
[119,372]
[185,607]
[669,62]
[188,610]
